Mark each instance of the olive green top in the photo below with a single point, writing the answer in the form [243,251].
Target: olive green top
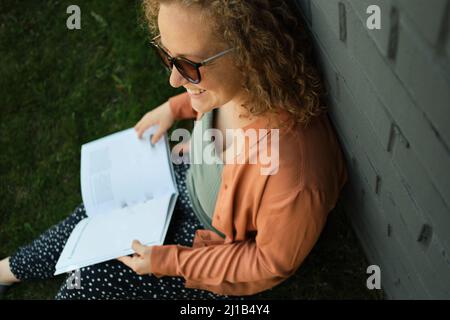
[205,172]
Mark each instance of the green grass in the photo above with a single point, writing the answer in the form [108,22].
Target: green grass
[61,88]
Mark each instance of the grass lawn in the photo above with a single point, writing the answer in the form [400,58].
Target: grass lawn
[61,88]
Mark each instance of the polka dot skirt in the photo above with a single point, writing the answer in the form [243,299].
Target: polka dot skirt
[112,279]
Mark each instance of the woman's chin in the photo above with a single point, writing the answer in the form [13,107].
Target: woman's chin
[202,108]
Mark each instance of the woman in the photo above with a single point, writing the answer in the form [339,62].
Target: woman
[236,231]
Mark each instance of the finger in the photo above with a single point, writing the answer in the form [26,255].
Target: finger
[155,138]
[158,135]
[137,128]
[139,133]
[139,124]
[138,247]
[142,130]
[148,125]
[128,261]
[142,126]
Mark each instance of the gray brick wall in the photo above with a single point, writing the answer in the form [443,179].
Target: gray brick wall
[390,104]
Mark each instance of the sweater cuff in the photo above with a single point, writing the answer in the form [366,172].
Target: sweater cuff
[164,261]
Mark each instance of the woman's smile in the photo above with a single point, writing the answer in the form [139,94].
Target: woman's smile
[196,93]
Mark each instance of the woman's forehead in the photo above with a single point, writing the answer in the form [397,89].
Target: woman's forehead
[182,34]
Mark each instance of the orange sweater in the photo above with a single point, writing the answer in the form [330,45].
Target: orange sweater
[271,222]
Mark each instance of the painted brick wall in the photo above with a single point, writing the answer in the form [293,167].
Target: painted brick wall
[390,104]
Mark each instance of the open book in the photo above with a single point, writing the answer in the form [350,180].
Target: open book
[129,192]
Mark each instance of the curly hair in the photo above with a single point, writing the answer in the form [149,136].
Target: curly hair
[273,53]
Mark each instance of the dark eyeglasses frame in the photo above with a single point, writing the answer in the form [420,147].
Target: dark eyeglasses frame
[174,61]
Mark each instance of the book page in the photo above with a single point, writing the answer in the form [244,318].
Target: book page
[104,237]
[121,171]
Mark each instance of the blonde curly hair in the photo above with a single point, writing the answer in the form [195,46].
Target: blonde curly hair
[273,52]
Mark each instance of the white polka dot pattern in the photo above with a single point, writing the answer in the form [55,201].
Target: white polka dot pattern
[112,279]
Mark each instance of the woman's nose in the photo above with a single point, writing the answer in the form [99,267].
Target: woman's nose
[176,80]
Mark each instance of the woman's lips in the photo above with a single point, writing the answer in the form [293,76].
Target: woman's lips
[194,95]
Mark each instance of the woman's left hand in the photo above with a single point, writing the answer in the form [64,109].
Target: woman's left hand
[140,261]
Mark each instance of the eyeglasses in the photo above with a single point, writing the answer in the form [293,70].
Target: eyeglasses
[187,68]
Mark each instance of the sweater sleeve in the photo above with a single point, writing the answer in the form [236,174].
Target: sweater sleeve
[288,226]
[181,107]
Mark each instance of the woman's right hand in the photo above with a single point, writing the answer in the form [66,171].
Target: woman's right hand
[162,116]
